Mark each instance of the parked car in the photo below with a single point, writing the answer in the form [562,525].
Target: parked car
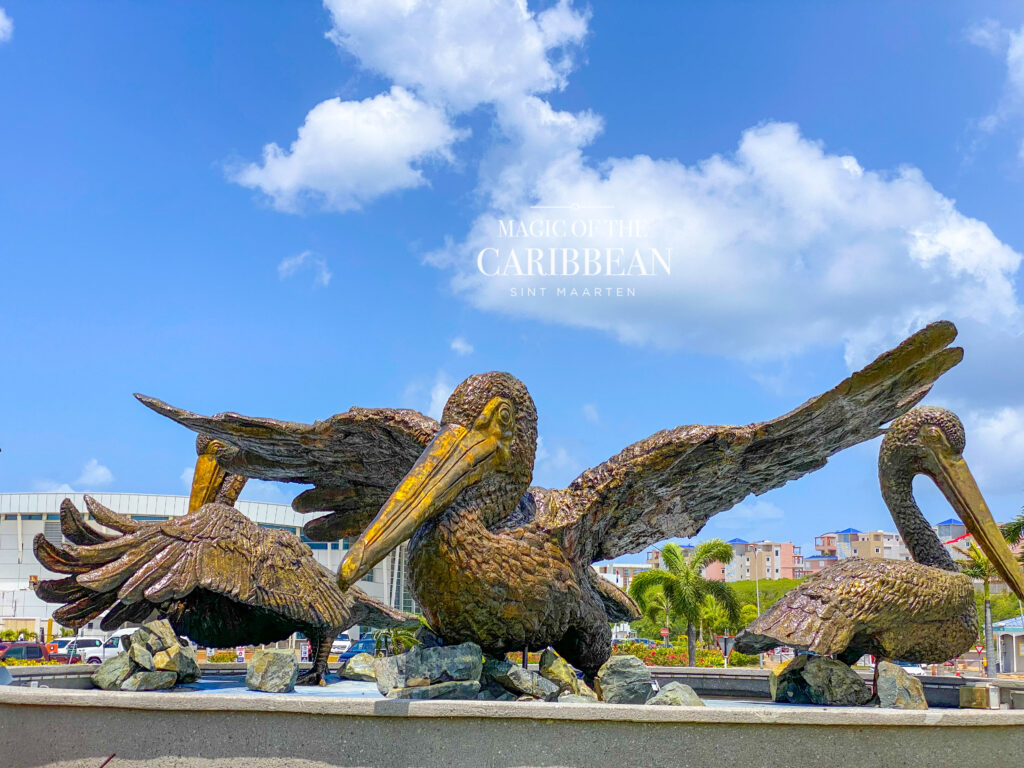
[24,652]
[365,645]
[88,649]
[341,644]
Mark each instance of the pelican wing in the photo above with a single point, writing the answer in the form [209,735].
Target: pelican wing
[671,483]
[215,550]
[354,459]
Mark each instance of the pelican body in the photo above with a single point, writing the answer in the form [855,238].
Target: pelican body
[920,611]
[219,578]
[506,565]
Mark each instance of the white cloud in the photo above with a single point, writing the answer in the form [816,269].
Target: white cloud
[554,467]
[6,26]
[590,413]
[461,52]
[306,260]
[186,477]
[995,443]
[777,248]
[1009,45]
[349,153]
[94,474]
[439,394]
[461,347]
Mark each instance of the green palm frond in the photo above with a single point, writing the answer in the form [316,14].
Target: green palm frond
[1013,531]
[711,551]
[674,559]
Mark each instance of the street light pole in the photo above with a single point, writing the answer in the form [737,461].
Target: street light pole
[757,595]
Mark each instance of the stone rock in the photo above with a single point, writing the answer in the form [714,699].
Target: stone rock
[676,695]
[898,689]
[520,681]
[426,666]
[167,661]
[163,634]
[819,680]
[427,638]
[575,698]
[453,689]
[140,654]
[113,672]
[359,667]
[623,680]
[272,670]
[188,666]
[557,670]
[149,681]
[5,676]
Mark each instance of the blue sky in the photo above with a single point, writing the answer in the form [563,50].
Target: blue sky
[828,178]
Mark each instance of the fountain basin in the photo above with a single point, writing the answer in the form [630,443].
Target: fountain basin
[71,728]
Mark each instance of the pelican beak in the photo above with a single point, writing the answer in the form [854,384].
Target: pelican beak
[456,458]
[957,484]
[207,478]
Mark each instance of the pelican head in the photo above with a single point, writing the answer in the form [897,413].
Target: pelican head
[210,482]
[483,454]
[930,441]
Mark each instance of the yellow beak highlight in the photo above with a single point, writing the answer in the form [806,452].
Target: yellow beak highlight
[957,484]
[456,458]
[206,480]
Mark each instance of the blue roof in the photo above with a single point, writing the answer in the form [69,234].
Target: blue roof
[821,557]
[737,541]
[1014,623]
[849,530]
[951,521]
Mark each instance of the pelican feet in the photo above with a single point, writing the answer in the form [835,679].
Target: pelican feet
[313,677]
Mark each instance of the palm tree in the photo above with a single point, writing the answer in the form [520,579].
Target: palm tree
[977,566]
[1013,532]
[682,587]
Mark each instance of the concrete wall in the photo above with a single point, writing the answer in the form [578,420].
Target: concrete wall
[74,729]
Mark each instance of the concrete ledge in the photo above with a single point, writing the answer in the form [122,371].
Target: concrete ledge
[40,727]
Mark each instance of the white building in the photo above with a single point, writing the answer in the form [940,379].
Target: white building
[23,515]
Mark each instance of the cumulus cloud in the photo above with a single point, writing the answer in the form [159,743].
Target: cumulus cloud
[439,394]
[6,26]
[93,475]
[186,477]
[307,260]
[1008,44]
[779,247]
[461,347]
[995,443]
[349,153]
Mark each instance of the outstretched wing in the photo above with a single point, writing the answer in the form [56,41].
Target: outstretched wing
[214,549]
[671,483]
[354,459]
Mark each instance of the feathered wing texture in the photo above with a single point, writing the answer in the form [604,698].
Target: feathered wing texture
[893,608]
[355,459]
[215,549]
[670,484]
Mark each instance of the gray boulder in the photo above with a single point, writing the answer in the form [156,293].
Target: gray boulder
[623,680]
[676,695]
[113,672]
[557,670]
[359,667]
[272,670]
[426,666]
[453,689]
[897,689]
[188,666]
[819,680]
[520,681]
[162,635]
[575,698]
[149,681]
[141,657]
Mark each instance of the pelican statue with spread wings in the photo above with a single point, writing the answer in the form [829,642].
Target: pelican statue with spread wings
[919,610]
[218,577]
[495,561]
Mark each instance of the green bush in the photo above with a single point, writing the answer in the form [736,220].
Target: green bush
[222,657]
[737,659]
[671,656]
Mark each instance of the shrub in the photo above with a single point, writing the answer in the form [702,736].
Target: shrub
[222,657]
[737,659]
[26,662]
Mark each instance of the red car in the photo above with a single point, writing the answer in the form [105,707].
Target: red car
[25,651]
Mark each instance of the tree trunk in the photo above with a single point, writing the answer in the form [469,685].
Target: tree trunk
[691,644]
[990,666]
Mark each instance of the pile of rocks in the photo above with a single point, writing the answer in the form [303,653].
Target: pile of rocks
[824,681]
[461,672]
[155,658]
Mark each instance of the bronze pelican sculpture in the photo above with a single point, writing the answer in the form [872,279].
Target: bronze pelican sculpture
[507,566]
[920,611]
[218,577]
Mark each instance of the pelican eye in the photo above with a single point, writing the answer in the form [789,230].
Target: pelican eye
[505,415]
